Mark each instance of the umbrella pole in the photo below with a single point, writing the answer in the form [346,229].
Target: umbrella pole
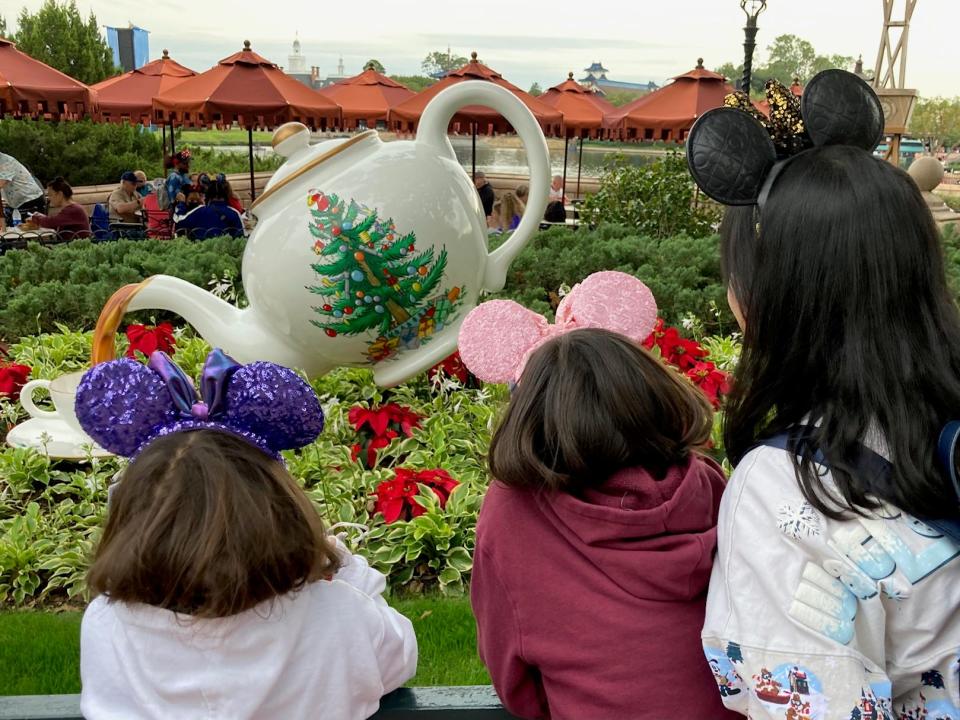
[566,144]
[173,142]
[473,126]
[253,192]
[580,165]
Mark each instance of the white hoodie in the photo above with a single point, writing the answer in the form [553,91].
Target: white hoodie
[810,618]
[330,650]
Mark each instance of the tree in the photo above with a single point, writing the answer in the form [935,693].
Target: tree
[788,58]
[619,98]
[536,90]
[937,121]
[374,64]
[3,26]
[439,63]
[372,277]
[731,72]
[58,36]
[414,82]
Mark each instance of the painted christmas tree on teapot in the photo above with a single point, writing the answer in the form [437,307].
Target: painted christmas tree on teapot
[373,277]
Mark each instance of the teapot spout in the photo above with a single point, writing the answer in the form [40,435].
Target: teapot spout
[240,333]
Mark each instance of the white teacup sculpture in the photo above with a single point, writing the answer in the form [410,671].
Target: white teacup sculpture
[363,253]
[63,392]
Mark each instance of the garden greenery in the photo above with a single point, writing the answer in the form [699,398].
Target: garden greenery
[51,513]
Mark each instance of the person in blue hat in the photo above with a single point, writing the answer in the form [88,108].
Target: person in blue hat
[125,202]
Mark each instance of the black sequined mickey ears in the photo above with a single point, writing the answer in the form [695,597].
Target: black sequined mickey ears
[732,150]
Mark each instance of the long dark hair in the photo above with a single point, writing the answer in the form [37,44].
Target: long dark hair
[850,325]
[590,403]
[205,524]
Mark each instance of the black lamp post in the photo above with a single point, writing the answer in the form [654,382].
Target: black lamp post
[752,9]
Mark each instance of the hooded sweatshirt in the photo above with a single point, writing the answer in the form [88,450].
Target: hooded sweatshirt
[591,607]
[329,650]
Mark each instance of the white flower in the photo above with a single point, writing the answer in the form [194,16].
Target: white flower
[798,521]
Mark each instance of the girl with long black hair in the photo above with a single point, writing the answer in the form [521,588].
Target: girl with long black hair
[836,590]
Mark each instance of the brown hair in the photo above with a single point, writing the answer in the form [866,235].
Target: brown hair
[590,403]
[58,184]
[204,523]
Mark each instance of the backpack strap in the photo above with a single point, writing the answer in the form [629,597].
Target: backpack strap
[876,471]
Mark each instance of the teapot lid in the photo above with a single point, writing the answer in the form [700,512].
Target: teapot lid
[292,141]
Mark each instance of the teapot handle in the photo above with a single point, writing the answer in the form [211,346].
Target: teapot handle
[433,132]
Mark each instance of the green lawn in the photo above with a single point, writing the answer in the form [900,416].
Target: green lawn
[40,651]
[221,137]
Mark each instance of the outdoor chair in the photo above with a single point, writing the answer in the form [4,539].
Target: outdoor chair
[128,231]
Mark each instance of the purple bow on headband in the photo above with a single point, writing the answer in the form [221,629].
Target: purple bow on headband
[124,405]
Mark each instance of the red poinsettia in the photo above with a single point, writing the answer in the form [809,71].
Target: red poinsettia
[688,356]
[396,499]
[378,426]
[453,367]
[712,382]
[146,339]
[13,377]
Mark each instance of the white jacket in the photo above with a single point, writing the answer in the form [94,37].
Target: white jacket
[815,619]
[330,650]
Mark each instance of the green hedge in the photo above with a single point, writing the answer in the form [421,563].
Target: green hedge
[89,153]
[682,272]
[69,284]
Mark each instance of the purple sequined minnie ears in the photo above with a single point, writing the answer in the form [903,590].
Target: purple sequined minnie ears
[735,156]
[125,405]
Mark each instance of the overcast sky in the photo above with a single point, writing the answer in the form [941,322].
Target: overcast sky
[638,40]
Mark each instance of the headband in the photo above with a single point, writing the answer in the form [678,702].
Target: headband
[124,405]
[499,336]
[736,153]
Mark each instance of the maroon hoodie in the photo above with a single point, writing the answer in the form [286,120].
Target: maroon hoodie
[590,608]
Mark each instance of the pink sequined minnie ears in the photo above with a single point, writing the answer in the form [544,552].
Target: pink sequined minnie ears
[735,153]
[498,337]
[124,405]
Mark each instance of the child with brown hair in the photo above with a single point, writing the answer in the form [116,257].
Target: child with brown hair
[596,537]
[218,592]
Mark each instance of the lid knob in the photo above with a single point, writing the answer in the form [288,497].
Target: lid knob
[290,137]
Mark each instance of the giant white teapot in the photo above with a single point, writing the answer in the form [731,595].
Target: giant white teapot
[363,253]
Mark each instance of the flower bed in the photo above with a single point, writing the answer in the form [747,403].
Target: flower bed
[403,470]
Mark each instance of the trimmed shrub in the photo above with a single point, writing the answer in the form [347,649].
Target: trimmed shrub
[69,284]
[683,272]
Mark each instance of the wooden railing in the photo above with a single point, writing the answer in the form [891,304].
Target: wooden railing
[472,702]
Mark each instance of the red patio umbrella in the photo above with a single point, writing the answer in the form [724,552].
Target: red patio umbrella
[583,114]
[130,96]
[366,97]
[406,115]
[672,109]
[29,88]
[249,90]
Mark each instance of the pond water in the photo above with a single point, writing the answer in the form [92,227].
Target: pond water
[510,160]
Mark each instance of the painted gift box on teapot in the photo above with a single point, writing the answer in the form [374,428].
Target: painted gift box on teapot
[363,253]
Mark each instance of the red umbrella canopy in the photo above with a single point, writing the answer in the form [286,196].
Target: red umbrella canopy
[583,111]
[29,88]
[248,89]
[367,96]
[669,113]
[407,114]
[130,96]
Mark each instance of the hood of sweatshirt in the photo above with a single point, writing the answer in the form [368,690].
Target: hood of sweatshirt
[655,538]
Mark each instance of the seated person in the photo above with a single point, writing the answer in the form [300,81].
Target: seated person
[143,187]
[71,222]
[506,215]
[125,202]
[210,220]
[232,196]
